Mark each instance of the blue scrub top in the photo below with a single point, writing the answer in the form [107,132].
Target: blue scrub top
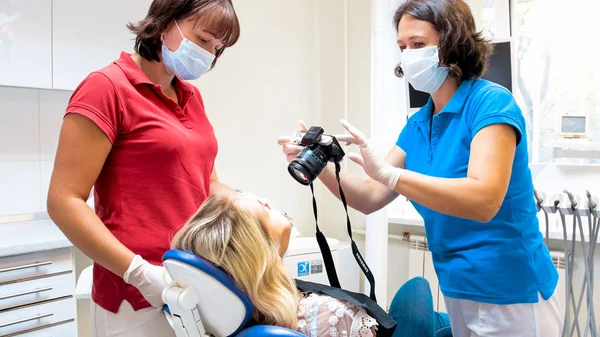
[505,260]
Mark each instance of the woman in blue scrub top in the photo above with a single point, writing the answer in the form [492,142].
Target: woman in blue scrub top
[462,161]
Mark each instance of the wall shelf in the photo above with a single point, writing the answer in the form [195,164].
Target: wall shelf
[576,148]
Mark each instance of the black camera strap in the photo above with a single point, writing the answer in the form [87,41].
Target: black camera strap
[386,324]
[324,246]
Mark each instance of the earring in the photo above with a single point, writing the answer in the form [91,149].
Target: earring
[289,218]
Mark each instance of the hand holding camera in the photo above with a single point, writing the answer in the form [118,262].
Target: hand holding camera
[291,149]
[309,150]
[308,153]
[318,149]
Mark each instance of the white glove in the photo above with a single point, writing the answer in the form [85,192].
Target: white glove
[149,279]
[373,164]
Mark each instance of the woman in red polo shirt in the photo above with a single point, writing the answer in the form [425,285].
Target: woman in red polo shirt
[139,134]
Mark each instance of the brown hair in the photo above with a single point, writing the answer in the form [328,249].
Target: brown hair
[462,49]
[218,15]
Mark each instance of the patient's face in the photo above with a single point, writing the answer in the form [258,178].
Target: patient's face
[277,224]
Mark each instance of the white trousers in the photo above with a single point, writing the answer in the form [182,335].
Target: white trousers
[148,322]
[475,319]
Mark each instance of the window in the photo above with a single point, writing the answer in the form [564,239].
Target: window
[558,78]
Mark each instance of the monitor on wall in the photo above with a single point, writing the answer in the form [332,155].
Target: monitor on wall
[499,71]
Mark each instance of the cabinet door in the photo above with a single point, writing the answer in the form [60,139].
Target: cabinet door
[25,43]
[415,263]
[88,35]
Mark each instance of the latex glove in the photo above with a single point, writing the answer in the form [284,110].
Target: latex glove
[291,151]
[149,279]
[374,165]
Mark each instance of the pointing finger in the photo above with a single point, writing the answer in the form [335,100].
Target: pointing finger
[359,136]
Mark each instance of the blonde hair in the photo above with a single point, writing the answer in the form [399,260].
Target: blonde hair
[233,239]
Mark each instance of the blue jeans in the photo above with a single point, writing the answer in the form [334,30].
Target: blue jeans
[412,309]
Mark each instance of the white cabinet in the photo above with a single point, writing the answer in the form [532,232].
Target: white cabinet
[55,44]
[36,294]
[26,43]
[88,35]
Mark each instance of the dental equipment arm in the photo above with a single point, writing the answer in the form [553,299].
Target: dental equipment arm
[594,225]
[593,204]
[565,204]
[573,206]
[561,206]
[539,201]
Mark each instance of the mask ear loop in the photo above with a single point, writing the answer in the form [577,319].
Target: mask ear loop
[179,29]
[162,36]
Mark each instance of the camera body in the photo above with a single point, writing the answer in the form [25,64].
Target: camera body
[312,160]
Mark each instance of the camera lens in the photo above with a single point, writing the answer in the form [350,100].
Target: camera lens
[309,163]
[299,173]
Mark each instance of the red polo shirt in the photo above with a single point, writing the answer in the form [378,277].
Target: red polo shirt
[158,171]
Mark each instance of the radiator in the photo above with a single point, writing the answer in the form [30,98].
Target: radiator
[421,264]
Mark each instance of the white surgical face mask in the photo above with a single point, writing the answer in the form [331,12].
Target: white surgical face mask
[422,69]
[189,61]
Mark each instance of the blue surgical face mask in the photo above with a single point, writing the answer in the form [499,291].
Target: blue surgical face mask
[422,69]
[189,61]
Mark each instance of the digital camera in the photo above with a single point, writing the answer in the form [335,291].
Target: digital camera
[312,160]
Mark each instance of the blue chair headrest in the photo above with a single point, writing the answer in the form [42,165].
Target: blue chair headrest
[225,307]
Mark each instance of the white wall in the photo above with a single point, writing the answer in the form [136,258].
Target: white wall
[29,126]
[257,92]
[345,92]
[288,67]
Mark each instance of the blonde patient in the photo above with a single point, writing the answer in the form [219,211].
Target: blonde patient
[247,238]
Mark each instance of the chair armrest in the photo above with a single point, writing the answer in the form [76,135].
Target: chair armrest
[83,289]
[268,331]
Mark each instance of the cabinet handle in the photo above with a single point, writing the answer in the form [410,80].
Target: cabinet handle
[4,325]
[26,266]
[5,297]
[38,328]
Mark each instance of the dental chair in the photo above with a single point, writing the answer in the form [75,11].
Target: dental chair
[203,300]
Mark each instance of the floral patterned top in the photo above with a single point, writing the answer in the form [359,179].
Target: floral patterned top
[325,316]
